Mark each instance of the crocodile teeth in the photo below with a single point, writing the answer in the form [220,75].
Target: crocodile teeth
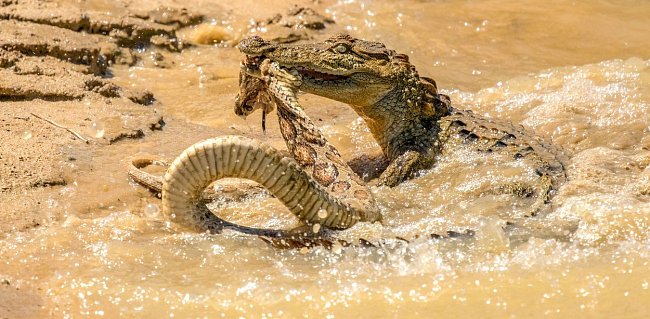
[311,73]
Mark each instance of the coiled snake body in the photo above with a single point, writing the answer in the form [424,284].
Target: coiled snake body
[405,113]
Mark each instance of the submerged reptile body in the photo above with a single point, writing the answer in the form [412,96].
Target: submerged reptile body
[495,136]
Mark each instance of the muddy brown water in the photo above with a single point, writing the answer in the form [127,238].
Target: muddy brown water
[576,73]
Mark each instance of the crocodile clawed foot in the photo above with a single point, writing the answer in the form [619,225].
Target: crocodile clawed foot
[401,169]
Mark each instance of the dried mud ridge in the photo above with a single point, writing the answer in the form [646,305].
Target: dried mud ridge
[56,95]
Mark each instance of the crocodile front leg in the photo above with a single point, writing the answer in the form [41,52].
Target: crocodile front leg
[401,169]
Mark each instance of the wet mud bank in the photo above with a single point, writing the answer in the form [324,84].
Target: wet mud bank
[58,99]
[57,93]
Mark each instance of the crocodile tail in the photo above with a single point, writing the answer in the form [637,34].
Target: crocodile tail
[235,156]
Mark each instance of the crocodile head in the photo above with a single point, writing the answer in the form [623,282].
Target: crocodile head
[342,68]
[381,85]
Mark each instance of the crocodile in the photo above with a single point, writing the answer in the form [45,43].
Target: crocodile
[409,118]
[411,121]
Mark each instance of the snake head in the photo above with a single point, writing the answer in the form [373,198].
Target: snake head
[253,95]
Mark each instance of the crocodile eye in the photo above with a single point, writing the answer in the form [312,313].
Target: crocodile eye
[341,48]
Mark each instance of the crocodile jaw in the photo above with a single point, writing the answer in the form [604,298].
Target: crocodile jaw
[253,65]
[353,88]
